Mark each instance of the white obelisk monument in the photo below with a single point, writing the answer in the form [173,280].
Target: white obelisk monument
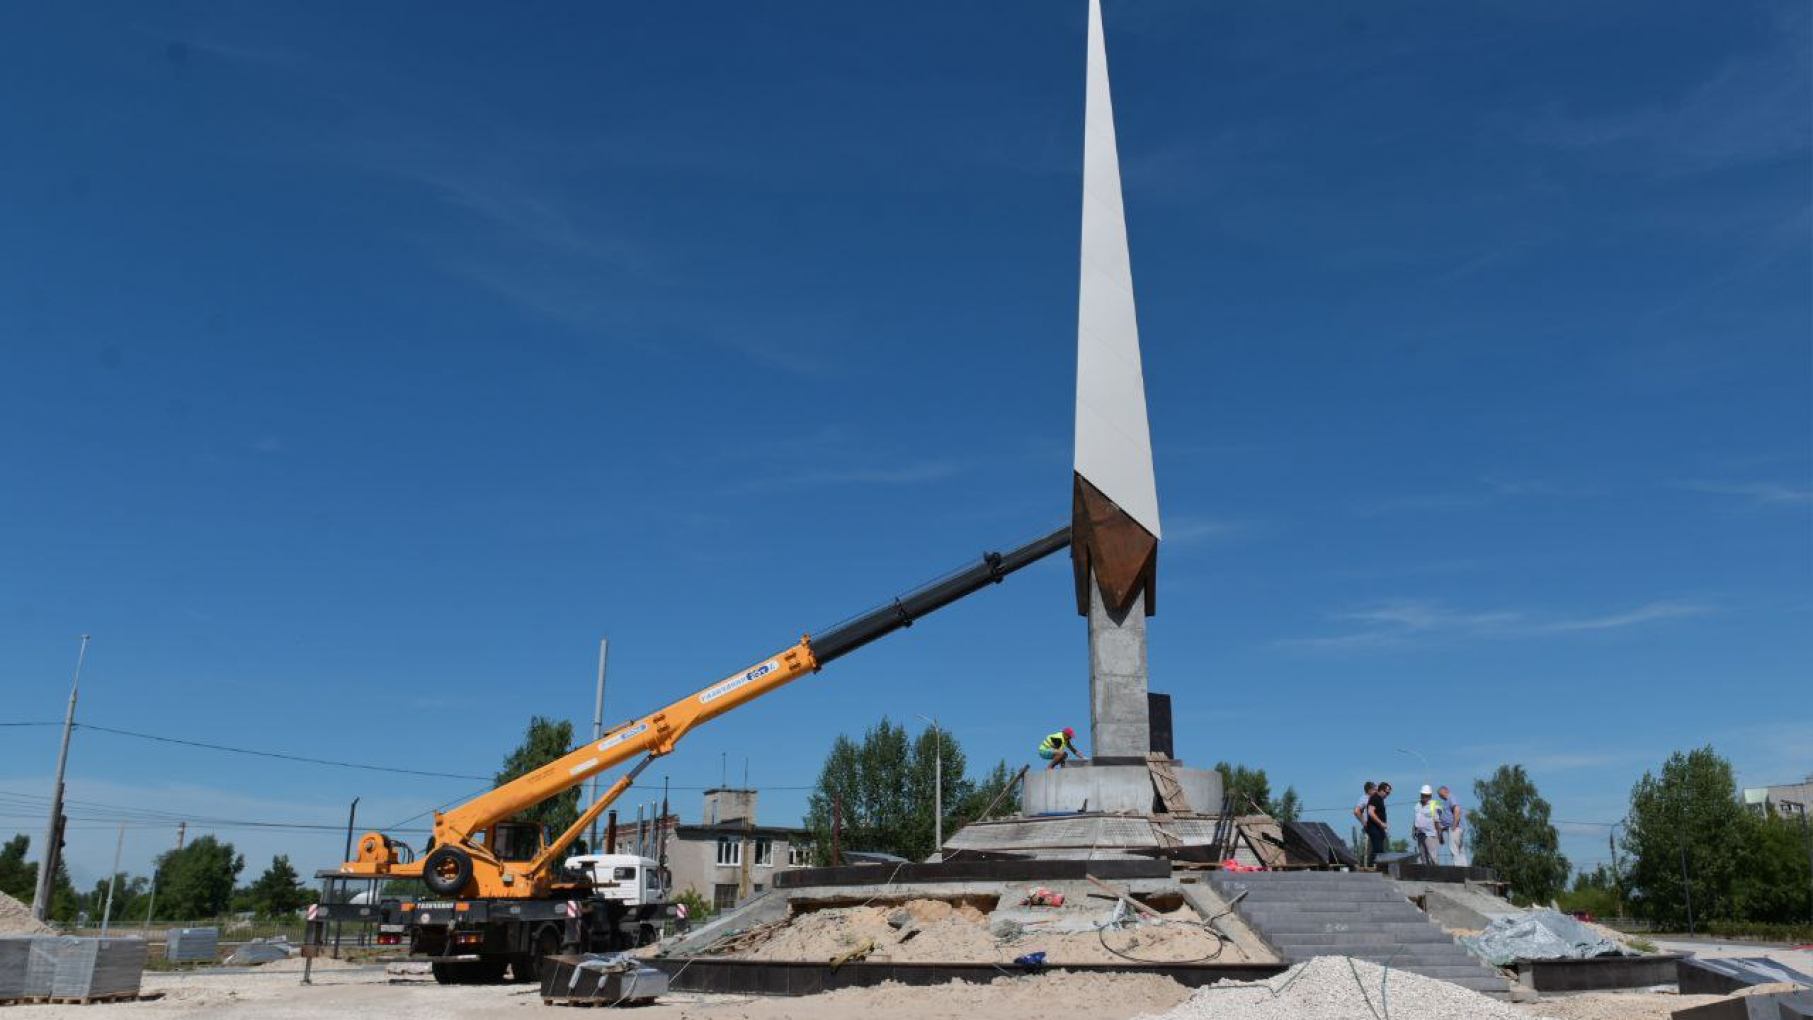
[1132,797]
[1115,494]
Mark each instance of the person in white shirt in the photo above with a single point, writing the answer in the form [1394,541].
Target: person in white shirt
[1453,830]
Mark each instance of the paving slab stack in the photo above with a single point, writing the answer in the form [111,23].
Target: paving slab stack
[98,968]
[191,945]
[1304,914]
[63,967]
[15,957]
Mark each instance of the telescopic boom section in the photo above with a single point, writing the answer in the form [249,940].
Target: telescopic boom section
[461,862]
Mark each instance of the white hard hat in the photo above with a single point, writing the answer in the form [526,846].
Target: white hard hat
[1425,791]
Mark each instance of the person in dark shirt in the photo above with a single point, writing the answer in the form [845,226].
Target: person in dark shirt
[1375,822]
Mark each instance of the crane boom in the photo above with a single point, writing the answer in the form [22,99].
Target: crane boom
[464,859]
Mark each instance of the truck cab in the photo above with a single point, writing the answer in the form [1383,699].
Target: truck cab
[626,879]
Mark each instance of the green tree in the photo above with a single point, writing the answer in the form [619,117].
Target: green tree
[1688,819]
[1249,788]
[19,879]
[1287,808]
[278,892]
[128,899]
[698,905]
[1513,836]
[197,881]
[18,876]
[1595,892]
[884,783]
[545,741]
[935,753]
[984,792]
[1773,884]
[1251,791]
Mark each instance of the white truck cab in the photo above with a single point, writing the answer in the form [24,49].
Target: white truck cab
[636,881]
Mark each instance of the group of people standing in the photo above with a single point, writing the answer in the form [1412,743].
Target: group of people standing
[1437,823]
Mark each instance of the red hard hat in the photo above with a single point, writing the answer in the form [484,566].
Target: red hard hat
[1068,732]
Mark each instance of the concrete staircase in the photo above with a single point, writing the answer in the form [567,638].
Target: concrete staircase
[1332,913]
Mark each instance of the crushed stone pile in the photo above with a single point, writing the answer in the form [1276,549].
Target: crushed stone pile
[935,931]
[1054,995]
[16,919]
[1341,988]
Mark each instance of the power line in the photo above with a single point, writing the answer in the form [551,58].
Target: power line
[275,754]
[306,760]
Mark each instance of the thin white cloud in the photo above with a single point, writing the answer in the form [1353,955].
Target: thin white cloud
[1766,493]
[1400,623]
[1640,615]
[1752,110]
[1193,531]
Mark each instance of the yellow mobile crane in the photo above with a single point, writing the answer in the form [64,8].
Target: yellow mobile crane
[504,897]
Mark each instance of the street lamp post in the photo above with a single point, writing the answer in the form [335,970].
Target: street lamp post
[1611,842]
[937,785]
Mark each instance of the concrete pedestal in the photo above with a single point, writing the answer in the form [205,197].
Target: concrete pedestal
[1118,714]
[1114,789]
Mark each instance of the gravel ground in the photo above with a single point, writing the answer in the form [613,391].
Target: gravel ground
[366,993]
[1632,1005]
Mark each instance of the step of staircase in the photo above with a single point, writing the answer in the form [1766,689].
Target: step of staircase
[1303,914]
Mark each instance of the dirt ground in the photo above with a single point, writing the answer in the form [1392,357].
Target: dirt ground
[366,992]
[1632,1005]
[273,992]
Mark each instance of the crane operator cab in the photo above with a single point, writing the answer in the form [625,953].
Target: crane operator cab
[516,841]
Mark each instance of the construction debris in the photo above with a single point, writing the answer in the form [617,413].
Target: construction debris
[938,931]
[262,951]
[1540,935]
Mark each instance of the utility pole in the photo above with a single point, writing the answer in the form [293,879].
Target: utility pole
[351,814]
[937,786]
[661,837]
[604,651]
[112,877]
[53,831]
[181,827]
[1611,843]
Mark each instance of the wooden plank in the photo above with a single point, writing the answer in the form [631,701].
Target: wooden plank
[1132,904]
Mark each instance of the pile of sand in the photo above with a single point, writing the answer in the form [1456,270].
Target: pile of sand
[934,931]
[16,919]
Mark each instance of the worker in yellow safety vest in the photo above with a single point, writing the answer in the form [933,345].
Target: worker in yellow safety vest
[1060,746]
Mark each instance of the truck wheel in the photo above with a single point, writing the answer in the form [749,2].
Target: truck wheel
[447,870]
[447,973]
[645,935]
[546,944]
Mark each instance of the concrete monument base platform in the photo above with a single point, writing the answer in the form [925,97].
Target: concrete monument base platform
[1115,790]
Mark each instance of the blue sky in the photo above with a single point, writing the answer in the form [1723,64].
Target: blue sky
[361,366]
